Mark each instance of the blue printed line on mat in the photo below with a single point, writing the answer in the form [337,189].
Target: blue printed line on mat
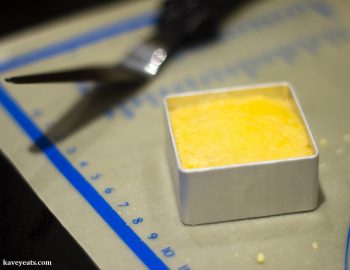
[96,35]
[347,251]
[118,225]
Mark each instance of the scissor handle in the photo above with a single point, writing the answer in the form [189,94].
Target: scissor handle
[190,19]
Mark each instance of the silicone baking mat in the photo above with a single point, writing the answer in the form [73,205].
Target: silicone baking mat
[96,157]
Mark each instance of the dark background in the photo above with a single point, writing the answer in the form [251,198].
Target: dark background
[28,230]
[20,14]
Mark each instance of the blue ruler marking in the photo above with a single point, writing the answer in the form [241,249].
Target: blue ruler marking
[347,251]
[130,238]
[112,218]
[321,7]
[96,35]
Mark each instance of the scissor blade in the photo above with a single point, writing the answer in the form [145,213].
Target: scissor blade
[109,74]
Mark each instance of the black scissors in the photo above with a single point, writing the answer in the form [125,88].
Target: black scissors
[180,22]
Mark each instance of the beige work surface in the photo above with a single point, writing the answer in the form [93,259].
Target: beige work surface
[304,42]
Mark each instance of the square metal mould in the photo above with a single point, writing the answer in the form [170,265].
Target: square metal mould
[248,190]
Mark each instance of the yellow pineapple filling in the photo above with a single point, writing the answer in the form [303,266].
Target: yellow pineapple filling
[238,129]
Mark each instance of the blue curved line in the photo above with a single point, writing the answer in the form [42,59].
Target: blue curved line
[346,259]
[115,29]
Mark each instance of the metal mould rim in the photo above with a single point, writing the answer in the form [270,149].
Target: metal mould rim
[232,89]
